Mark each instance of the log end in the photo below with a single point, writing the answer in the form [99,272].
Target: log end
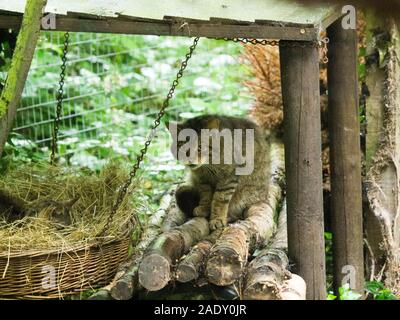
[154,272]
[186,273]
[295,288]
[262,291]
[223,270]
[122,290]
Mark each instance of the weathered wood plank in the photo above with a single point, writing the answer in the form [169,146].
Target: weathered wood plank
[345,158]
[174,27]
[301,103]
[251,10]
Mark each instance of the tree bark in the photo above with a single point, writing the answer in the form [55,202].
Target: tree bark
[155,267]
[192,265]
[125,281]
[20,64]
[383,174]
[175,216]
[302,125]
[228,256]
[294,288]
[267,272]
[267,277]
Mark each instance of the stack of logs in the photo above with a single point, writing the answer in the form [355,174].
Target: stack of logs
[174,250]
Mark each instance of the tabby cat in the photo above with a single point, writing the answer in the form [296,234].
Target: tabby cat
[219,191]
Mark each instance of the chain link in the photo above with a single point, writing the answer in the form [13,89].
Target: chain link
[60,97]
[124,190]
[321,44]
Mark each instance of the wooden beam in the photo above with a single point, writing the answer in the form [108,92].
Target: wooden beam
[174,27]
[345,158]
[20,64]
[301,104]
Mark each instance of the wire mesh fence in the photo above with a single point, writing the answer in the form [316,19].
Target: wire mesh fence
[115,84]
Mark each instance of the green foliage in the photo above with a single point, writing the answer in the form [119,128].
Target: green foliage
[130,75]
[329,259]
[331,296]
[7,45]
[19,150]
[378,291]
[345,293]
[122,81]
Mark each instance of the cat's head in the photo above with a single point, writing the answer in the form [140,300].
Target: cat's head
[188,145]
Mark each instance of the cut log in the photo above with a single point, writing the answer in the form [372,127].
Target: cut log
[267,272]
[267,277]
[294,288]
[228,256]
[125,281]
[192,265]
[155,267]
[175,216]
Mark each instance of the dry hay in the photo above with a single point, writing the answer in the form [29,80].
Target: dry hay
[65,209]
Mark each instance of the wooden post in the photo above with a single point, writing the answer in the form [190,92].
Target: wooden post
[301,104]
[345,158]
[20,64]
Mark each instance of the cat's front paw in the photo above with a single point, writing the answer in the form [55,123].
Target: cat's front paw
[217,224]
[202,211]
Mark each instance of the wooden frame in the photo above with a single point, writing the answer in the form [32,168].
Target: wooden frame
[214,28]
[303,166]
[345,157]
[300,89]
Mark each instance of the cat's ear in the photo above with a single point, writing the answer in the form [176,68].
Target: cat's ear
[212,123]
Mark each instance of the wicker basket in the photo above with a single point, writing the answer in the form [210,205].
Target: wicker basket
[54,274]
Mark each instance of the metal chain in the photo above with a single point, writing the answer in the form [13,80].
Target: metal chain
[122,193]
[322,43]
[60,97]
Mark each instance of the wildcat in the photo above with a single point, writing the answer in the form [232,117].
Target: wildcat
[217,190]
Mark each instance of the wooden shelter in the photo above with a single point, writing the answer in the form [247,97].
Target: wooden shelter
[298,27]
